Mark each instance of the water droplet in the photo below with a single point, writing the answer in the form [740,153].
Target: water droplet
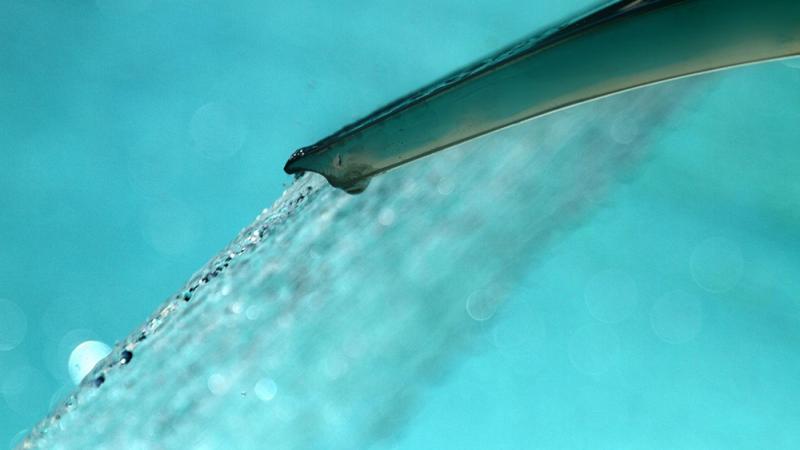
[483,303]
[13,325]
[677,317]
[218,130]
[57,353]
[611,296]
[265,389]
[716,264]
[594,348]
[84,357]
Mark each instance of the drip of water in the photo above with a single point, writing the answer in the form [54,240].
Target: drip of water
[322,322]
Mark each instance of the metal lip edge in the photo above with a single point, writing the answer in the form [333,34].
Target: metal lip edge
[534,43]
[355,184]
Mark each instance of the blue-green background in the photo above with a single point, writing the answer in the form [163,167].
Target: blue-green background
[136,139]
[108,203]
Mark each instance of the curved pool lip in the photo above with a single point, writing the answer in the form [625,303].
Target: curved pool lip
[621,46]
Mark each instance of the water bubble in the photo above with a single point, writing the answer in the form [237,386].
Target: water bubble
[677,317]
[218,130]
[594,348]
[483,303]
[716,264]
[265,389]
[84,357]
[611,296]
[13,325]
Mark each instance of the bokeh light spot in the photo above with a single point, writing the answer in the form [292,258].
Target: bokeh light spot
[25,390]
[13,325]
[611,296]
[218,131]
[677,317]
[483,303]
[386,217]
[716,264]
[265,389]
[594,348]
[520,336]
[218,384]
[171,227]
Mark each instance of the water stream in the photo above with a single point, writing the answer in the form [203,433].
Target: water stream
[324,323]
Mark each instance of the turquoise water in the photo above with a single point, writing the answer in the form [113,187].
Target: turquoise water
[109,199]
[622,275]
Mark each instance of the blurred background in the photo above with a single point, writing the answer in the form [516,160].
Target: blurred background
[138,137]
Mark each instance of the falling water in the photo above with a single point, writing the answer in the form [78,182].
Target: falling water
[323,323]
